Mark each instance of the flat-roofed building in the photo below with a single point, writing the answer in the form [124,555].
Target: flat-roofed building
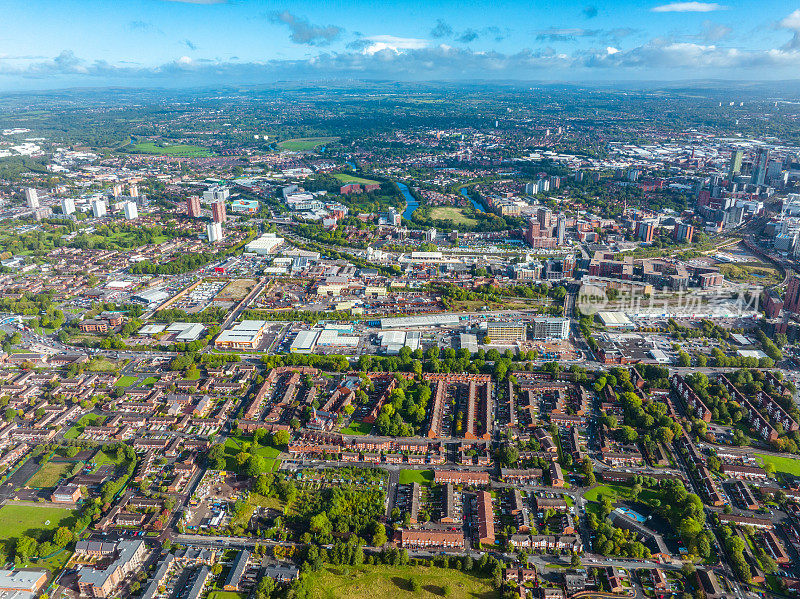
[244,335]
[265,244]
[506,331]
[305,342]
[28,582]
[550,328]
[615,320]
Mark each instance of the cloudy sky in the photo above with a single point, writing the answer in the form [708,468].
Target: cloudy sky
[61,43]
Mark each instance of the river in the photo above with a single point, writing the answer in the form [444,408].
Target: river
[411,203]
[477,205]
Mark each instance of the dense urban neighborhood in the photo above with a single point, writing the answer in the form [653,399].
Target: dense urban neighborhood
[457,341]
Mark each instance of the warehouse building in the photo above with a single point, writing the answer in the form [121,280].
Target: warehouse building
[244,335]
[266,244]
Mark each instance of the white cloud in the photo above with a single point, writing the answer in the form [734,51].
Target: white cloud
[611,50]
[792,23]
[689,7]
[395,44]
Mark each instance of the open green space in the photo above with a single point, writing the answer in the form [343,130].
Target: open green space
[357,428]
[423,477]
[456,215]
[54,563]
[782,464]
[149,381]
[226,595]
[378,582]
[166,149]
[101,458]
[345,178]
[17,520]
[103,365]
[85,420]
[300,144]
[619,492]
[125,381]
[754,273]
[49,474]
[255,500]
[234,445]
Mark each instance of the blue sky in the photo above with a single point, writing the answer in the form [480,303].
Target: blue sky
[60,43]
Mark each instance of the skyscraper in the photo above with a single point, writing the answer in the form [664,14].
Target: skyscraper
[760,167]
[218,213]
[683,232]
[131,211]
[99,208]
[32,198]
[67,206]
[134,189]
[193,206]
[561,229]
[791,301]
[545,216]
[214,232]
[736,163]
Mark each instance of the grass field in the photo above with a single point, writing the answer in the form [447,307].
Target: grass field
[357,428]
[101,458]
[49,474]
[785,465]
[234,445]
[17,520]
[54,564]
[126,381]
[619,492]
[149,381]
[103,365]
[148,147]
[756,273]
[423,477]
[452,214]
[226,595]
[85,420]
[614,492]
[379,582]
[345,178]
[301,144]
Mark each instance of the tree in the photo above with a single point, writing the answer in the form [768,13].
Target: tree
[265,587]
[575,561]
[379,535]
[62,536]
[255,466]
[281,438]
[637,488]
[26,548]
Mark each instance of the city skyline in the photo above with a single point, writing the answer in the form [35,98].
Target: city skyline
[184,43]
